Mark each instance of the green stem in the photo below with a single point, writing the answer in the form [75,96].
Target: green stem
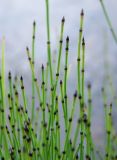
[48,42]
[33,61]
[108,20]
[65,79]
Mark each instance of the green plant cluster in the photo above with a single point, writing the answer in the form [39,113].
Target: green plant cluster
[25,135]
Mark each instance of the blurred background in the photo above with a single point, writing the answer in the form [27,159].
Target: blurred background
[16,19]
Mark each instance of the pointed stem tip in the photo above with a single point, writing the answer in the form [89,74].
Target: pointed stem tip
[75,94]
[83,41]
[42,67]
[89,85]
[21,78]
[61,82]
[63,19]
[10,73]
[82,13]
[27,48]
[67,39]
[34,23]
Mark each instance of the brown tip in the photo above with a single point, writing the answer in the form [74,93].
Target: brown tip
[82,13]
[27,48]
[21,78]
[34,23]
[42,67]
[75,94]
[9,76]
[67,39]
[63,19]
[9,73]
[83,41]
[56,98]
[89,85]
[61,82]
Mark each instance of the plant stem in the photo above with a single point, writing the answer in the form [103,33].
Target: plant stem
[33,63]
[108,20]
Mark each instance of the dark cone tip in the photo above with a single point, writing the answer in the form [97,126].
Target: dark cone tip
[56,98]
[67,39]
[75,94]
[27,48]
[42,67]
[82,12]
[63,19]
[21,78]
[34,23]
[89,85]
[83,41]
[61,82]
[9,73]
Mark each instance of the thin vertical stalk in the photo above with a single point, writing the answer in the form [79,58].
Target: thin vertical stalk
[62,101]
[43,94]
[108,131]
[80,84]
[108,20]
[2,79]
[79,49]
[48,41]
[23,93]
[90,145]
[35,79]
[33,63]
[107,125]
[59,51]
[51,72]
[70,123]
[83,70]
[76,133]
[44,125]
[79,81]
[82,102]
[65,78]
[89,103]
[57,126]
[11,94]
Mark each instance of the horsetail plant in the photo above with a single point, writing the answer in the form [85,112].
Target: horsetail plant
[30,133]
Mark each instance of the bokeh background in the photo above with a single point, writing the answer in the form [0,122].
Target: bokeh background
[16,18]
